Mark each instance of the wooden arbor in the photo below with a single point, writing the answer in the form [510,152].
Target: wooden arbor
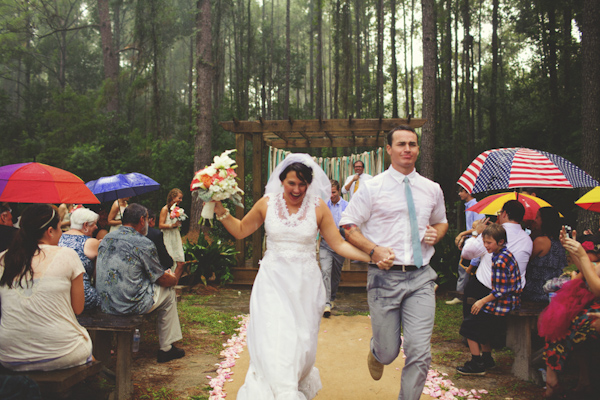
[294,134]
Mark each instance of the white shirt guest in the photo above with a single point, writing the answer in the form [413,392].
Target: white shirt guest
[353,182]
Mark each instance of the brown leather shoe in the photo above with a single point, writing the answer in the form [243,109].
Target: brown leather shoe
[375,367]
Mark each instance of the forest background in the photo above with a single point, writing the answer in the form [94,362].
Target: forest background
[114,86]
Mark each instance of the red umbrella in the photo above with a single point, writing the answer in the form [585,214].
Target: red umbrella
[40,183]
[492,204]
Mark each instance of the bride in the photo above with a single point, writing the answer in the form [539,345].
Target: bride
[288,296]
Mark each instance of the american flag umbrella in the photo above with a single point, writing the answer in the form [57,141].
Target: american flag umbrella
[517,167]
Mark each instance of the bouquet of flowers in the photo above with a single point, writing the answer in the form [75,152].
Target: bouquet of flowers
[177,213]
[217,182]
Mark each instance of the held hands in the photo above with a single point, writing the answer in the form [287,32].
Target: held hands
[383,257]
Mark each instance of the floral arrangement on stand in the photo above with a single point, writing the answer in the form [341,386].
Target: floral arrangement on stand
[217,182]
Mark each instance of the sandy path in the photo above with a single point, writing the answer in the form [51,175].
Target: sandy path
[341,359]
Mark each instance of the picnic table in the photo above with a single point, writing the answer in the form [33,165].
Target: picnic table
[102,327]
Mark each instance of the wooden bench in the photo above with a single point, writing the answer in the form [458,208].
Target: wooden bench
[519,338]
[59,382]
[102,327]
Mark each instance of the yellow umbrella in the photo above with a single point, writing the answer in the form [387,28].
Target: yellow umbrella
[590,200]
[492,204]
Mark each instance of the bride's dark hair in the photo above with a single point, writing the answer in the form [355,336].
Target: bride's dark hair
[304,172]
[35,221]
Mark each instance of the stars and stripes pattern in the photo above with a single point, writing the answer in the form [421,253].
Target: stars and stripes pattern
[516,167]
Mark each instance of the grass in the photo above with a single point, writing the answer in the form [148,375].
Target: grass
[191,311]
[447,321]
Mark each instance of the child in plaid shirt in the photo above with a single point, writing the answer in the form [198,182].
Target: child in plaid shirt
[489,312]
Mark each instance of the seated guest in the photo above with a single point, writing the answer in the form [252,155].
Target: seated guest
[488,313]
[7,230]
[78,238]
[130,279]
[41,290]
[581,327]
[518,243]
[548,257]
[157,238]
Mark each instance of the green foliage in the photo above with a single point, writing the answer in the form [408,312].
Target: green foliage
[445,260]
[208,259]
[160,394]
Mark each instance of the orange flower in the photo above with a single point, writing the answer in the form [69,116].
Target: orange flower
[206,180]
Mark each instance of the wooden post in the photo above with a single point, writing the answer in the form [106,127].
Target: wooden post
[240,159]
[123,371]
[257,192]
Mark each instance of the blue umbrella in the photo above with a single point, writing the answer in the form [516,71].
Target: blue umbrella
[109,188]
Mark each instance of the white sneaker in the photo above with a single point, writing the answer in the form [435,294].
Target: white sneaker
[327,312]
[332,304]
[454,301]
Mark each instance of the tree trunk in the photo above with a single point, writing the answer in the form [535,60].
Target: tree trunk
[319,100]
[204,82]
[286,100]
[406,84]
[110,57]
[379,81]
[429,50]
[590,100]
[394,66]
[494,83]
[358,89]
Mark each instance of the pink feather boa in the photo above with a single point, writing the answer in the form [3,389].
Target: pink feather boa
[554,322]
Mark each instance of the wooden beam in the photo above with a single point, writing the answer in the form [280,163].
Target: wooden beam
[340,142]
[328,136]
[257,193]
[240,159]
[330,125]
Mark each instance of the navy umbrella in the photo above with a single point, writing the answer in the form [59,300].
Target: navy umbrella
[109,188]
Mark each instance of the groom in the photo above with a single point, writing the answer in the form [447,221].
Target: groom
[400,213]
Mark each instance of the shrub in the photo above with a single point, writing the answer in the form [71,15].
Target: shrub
[210,259]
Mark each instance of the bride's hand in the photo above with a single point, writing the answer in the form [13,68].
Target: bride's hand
[219,208]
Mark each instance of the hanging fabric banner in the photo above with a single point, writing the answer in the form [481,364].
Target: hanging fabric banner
[338,168]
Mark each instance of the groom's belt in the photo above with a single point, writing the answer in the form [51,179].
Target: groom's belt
[402,268]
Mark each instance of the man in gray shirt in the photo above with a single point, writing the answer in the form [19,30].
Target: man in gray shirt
[130,280]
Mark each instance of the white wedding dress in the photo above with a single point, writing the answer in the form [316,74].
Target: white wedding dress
[286,305]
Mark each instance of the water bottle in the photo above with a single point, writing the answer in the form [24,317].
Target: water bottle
[136,341]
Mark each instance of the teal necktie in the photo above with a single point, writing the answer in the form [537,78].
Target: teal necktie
[414,226]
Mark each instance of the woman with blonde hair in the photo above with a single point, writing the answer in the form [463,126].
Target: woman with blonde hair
[41,290]
[170,228]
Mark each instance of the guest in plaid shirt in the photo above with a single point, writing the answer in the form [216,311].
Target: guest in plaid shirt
[488,313]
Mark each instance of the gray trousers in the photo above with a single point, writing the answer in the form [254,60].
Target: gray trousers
[463,278]
[403,302]
[331,268]
[168,327]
